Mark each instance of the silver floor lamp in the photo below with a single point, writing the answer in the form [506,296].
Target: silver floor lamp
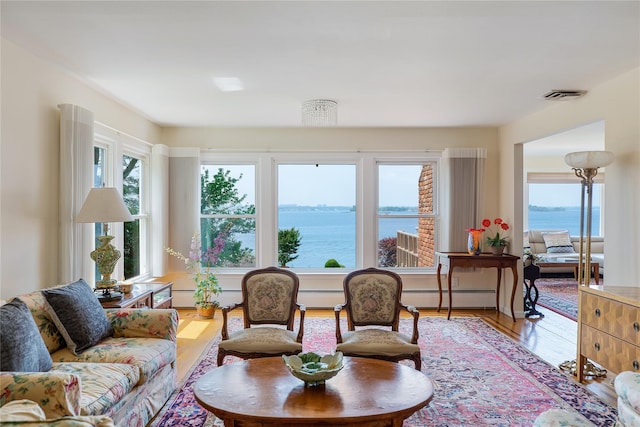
[585,165]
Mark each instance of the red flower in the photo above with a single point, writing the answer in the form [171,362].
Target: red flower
[495,238]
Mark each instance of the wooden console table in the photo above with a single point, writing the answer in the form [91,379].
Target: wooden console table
[484,260]
[150,295]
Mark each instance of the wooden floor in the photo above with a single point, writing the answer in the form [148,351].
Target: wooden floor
[552,338]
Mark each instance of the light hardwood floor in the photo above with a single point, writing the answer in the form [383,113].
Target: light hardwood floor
[552,338]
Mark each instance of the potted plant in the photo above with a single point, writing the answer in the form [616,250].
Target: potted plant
[207,289]
[207,286]
[288,244]
[496,241]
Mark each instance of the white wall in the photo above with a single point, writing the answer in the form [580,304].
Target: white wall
[31,91]
[617,102]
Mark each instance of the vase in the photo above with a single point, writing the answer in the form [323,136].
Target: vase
[473,242]
[497,250]
[206,312]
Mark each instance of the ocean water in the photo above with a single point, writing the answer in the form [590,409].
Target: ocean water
[331,232]
[566,219]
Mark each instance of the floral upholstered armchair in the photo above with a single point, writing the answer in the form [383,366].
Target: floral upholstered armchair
[373,298]
[269,303]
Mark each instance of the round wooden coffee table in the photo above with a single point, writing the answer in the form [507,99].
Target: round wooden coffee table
[262,392]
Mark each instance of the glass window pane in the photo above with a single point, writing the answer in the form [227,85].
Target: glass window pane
[228,189]
[230,242]
[228,225]
[131,175]
[131,252]
[557,207]
[406,225]
[319,202]
[131,169]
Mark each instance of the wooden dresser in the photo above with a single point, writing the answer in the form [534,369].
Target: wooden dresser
[609,328]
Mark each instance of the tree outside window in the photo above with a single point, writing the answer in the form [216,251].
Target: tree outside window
[228,213]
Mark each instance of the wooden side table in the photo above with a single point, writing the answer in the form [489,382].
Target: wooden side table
[484,260]
[150,295]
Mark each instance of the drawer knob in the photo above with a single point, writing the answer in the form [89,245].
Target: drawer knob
[597,312]
[636,326]
[636,365]
[597,346]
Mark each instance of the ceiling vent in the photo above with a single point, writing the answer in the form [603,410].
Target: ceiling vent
[563,95]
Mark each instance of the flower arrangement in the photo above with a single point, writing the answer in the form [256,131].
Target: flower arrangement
[207,286]
[495,238]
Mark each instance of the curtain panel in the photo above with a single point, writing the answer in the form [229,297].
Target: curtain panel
[76,177]
[464,183]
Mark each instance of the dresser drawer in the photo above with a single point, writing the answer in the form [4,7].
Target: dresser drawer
[613,317]
[612,353]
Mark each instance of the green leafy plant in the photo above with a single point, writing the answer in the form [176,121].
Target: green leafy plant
[332,263]
[207,286]
[288,244]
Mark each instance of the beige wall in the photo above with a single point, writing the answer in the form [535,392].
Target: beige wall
[31,91]
[617,102]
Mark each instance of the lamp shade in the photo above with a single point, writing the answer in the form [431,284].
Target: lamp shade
[589,159]
[104,205]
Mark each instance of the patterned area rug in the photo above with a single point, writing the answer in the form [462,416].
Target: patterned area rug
[480,377]
[559,295]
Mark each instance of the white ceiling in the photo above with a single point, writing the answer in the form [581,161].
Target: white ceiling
[386,63]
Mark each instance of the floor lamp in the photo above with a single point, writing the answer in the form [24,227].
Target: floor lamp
[585,165]
[105,205]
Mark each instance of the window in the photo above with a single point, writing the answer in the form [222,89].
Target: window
[554,203]
[319,200]
[406,215]
[341,205]
[228,214]
[134,231]
[130,175]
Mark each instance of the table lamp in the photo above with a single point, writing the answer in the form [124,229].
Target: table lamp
[105,205]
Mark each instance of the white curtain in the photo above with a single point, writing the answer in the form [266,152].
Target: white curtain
[464,182]
[76,177]
[159,209]
[184,194]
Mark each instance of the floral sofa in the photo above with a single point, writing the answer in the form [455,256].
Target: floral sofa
[124,371]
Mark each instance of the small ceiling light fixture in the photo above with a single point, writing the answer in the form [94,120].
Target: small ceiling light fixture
[228,84]
[319,113]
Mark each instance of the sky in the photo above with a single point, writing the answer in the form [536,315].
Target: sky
[554,195]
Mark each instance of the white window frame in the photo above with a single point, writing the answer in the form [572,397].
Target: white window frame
[116,145]
[435,213]
[266,164]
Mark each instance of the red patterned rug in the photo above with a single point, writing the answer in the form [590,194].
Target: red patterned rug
[559,295]
[480,376]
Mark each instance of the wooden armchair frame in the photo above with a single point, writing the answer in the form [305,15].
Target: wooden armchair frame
[251,319]
[393,322]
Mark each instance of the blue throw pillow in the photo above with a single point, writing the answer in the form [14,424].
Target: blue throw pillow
[22,348]
[78,315]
